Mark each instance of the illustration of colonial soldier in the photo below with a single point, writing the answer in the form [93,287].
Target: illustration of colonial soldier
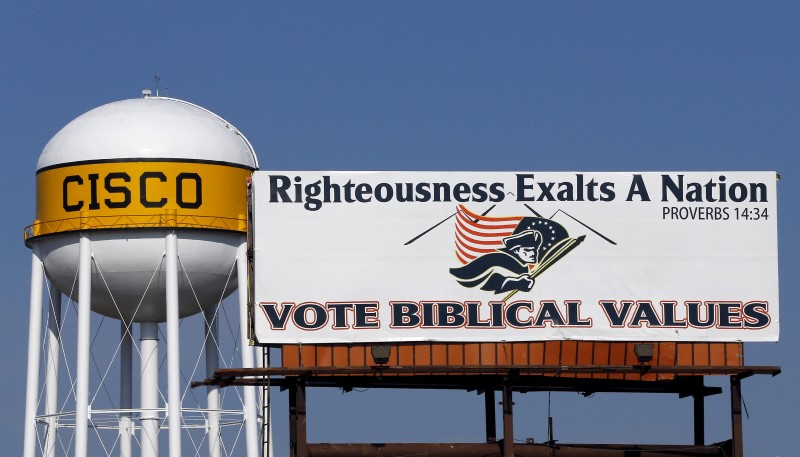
[535,244]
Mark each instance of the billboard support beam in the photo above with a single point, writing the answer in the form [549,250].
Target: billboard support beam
[685,382]
[508,420]
[491,420]
[252,376]
[297,420]
[520,450]
[736,416]
[699,418]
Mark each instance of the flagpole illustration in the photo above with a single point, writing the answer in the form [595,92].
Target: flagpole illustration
[440,223]
[583,224]
[571,244]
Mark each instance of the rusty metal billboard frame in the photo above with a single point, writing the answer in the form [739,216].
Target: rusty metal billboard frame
[688,381]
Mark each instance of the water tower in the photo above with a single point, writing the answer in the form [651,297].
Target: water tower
[140,217]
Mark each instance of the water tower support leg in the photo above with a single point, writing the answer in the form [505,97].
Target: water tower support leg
[212,392]
[125,388]
[173,346]
[250,406]
[83,347]
[51,371]
[148,396]
[34,337]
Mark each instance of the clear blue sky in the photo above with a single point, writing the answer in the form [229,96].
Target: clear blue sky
[445,85]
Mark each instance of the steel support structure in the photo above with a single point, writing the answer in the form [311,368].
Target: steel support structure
[685,381]
[554,375]
[520,450]
[173,346]
[83,347]
[51,369]
[491,420]
[263,354]
[736,416]
[34,353]
[125,389]
[298,439]
[212,392]
[250,406]
[148,396]
[508,420]
[44,409]
[699,418]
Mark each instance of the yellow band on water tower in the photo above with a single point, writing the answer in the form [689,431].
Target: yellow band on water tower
[140,194]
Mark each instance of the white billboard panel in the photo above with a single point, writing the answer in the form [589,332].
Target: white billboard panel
[515,256]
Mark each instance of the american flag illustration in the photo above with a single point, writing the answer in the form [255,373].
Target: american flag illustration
[477,235]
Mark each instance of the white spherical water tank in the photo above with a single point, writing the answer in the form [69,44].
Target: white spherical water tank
[123,167]
[141,216]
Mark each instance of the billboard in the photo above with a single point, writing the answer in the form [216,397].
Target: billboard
[344,257]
